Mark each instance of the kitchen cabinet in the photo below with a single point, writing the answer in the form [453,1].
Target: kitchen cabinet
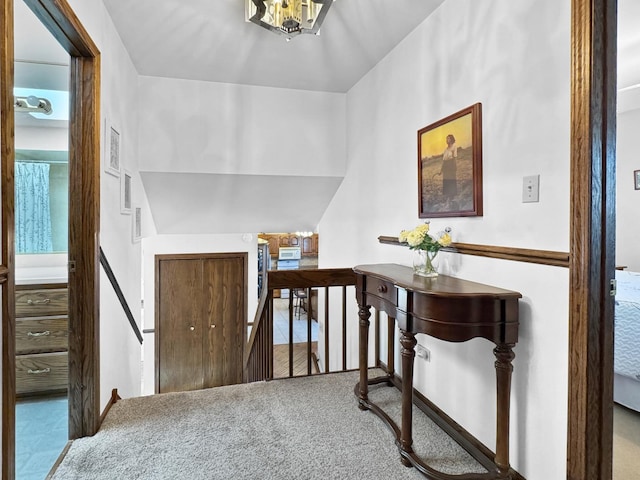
[42,330]
[201,320]
[309,245]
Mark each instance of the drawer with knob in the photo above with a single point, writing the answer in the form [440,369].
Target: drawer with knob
[40,301]
[42,334]
[382,289]
[41,372]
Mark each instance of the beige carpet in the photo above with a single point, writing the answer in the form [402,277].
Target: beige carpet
[303,428]
[626,444]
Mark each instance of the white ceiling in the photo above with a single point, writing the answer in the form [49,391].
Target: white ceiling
[210,40]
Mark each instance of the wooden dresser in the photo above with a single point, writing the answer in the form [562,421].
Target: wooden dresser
[41,339]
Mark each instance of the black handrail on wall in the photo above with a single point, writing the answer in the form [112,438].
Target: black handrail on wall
[123,301]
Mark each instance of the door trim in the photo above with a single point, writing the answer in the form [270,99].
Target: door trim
[593,137]
[84,220]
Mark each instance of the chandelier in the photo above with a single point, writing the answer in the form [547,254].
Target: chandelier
[287,17]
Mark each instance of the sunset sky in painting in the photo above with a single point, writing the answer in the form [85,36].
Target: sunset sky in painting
[434,141]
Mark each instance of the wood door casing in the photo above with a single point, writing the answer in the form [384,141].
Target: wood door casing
[201,320]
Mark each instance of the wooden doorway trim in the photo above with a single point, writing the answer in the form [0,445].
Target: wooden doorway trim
[593,137]
[84,220]
[7,153]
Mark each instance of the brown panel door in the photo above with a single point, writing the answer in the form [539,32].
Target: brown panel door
[179,326]
[225,287]
[201,320]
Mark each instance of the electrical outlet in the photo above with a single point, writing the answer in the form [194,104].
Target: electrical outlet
[531,189]
[423,353]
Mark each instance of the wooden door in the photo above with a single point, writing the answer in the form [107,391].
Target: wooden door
[179,329]
[201,312]
[224,320]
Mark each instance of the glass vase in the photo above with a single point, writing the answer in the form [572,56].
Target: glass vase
[424,263]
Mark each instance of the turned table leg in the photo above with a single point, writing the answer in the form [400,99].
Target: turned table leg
[363,391]
[504,356]
[408,342]
[391,326]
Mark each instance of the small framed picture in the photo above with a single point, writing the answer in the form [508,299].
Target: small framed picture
[136,227]
[113,147]
[636,179]
[125,192]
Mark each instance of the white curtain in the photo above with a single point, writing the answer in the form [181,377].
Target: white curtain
[33,215]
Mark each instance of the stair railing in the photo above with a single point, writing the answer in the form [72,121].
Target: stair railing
[259,356]
[123,301]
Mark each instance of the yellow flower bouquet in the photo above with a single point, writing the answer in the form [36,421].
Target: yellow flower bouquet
[427,247]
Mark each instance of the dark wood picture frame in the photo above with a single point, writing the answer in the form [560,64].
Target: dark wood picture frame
[636,179]
[451,187]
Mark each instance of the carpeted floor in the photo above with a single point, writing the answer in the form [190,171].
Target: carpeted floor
[301,428]
[626,443]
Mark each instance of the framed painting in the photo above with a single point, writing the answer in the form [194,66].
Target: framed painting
[636,179]
[112,148]
[125,192]
[450,165]
[136,227]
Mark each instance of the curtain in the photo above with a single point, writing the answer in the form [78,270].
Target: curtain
[33,215]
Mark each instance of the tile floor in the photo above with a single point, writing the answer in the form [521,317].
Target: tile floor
[281,324]
[41,434]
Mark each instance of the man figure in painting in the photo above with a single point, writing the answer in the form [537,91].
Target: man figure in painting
[448,169]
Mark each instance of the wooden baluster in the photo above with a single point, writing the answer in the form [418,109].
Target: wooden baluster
[344,328]
[326,329]
[391,330]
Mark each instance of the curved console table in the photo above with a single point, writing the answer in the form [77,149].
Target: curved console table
[449,309]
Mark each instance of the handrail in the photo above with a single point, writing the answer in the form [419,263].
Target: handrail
[258,359]
[123,301]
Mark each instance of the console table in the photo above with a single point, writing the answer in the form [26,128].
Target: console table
[449,309]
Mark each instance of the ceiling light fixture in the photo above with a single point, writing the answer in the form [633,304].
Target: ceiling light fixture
[32,104]
[287,17]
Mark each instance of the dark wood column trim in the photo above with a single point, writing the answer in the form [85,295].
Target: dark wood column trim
[7,240]
[544,257]
[84,248]
[593,131]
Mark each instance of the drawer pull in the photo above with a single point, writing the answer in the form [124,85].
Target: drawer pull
[382,289]
[39,334]
[38,372]
[39,302]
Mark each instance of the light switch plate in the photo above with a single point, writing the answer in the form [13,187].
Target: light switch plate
[531,189]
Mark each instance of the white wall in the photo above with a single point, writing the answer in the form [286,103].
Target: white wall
[171,244]
[628,199]
[206,127]
[120,353]
[513,57]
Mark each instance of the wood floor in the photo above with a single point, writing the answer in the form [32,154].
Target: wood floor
[281,360]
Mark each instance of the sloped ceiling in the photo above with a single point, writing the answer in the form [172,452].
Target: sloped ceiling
[210,40]
[195,203]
